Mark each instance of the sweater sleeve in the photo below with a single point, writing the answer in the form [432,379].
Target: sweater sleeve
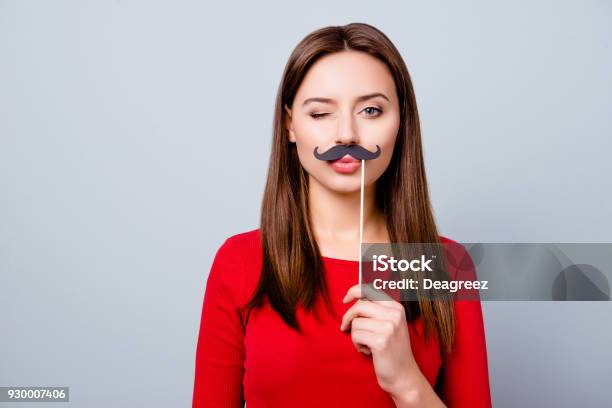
[219,365]
[465,374]
[465,381]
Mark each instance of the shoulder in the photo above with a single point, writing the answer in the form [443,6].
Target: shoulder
[246,244]
[238,260]
[250,237]
[459,262]
[446,240]
[451,247]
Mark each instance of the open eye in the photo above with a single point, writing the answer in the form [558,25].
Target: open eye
[372,111]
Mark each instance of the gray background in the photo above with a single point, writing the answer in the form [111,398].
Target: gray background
[115,199]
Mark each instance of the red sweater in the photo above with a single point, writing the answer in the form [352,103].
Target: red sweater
[270,365]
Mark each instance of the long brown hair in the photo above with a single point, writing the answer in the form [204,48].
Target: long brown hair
[292,271]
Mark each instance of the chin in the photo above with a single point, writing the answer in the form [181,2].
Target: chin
[344,185]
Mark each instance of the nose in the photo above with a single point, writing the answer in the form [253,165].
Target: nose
[346,132]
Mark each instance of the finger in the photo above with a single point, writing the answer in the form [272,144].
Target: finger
[364,338]
[368,309]
[373,325]
[365,309]
[367,291]
[365,350]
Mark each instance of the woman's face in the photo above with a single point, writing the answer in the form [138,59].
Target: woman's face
[347,97]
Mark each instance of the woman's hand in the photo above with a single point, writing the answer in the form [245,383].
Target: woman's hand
[379,328]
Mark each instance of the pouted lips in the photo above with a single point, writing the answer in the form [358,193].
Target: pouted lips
[346,164]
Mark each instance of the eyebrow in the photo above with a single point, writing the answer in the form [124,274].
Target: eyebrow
[359,99]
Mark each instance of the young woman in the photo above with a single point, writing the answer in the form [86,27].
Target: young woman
[284,323]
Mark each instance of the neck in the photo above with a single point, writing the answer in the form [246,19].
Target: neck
[335,216]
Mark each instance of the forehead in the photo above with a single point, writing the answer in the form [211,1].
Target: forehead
[345,75]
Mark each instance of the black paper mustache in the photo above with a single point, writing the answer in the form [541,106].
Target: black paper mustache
[338,151]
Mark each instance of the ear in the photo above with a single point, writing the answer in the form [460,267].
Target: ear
[289,124]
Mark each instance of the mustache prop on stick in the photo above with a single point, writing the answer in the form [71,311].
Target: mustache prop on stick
[339,151]
[360,153]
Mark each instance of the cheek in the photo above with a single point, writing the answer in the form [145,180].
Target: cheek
[305,150]
[386,141]
[376,168]
[309,135]
[306,156]
[388,130]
